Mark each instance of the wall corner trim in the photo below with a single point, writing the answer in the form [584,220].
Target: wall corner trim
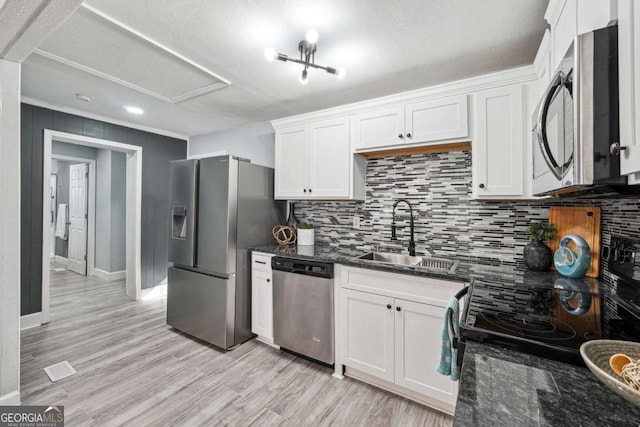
[29,321]
[10,399]
[109,276]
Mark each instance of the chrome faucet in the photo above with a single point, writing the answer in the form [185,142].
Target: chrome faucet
[412,243]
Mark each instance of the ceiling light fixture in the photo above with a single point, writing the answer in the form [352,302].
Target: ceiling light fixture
[133,110]
[307,49]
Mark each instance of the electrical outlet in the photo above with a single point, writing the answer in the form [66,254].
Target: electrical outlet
[356,222]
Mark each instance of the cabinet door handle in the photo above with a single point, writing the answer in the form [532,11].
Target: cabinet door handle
[398,309]
[305,190]
[408,135]
[309,190]
[481,185]
[268,280]
[616,148]
[260,262]
[400,136]
[389,306]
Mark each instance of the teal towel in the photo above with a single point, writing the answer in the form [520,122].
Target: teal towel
[448,354]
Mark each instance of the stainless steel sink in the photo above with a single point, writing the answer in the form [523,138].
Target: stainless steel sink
[430,263]
[391,258]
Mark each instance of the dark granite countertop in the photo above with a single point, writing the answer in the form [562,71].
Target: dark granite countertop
[349,256]
[493,276]
[504,387]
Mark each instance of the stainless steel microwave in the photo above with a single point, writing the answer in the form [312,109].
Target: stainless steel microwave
[576,125]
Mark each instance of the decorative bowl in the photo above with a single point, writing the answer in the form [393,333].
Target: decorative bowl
[596,354]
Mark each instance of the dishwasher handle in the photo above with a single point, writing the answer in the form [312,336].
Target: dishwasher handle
[302,266]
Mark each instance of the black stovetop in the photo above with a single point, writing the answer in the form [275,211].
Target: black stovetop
[549,315]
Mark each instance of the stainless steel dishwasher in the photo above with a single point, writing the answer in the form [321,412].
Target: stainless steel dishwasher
[303,307]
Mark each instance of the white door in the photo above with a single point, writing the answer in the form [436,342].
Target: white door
[330,159]
[368,333]
[78,177]
[379,128]
[262,304]
[417,351]
[436,119]
[53,185]
[291,162]
[498,155]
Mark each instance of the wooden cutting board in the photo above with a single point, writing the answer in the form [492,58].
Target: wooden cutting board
[583,221]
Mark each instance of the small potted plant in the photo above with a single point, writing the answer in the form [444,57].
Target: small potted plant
[306,236]
[537,255]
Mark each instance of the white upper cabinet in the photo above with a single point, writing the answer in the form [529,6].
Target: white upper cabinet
[498,143]
[568,18]
[291,162]
[315,161]
[330,159]
[629,72]
[418,122]
[436,120]
[542,62]
[379,128]
[562,16]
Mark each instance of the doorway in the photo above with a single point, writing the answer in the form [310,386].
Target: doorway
[73,219]
[133,199]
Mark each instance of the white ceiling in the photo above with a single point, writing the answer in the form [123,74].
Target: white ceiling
[173,58]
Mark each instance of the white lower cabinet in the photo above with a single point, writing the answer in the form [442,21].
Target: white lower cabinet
[262,296]
[394,342]
[368,333]
[418,334]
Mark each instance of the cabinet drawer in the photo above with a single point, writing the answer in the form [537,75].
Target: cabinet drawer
[424,290]
[261,262]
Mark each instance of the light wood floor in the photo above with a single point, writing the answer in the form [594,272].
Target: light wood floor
[135,370]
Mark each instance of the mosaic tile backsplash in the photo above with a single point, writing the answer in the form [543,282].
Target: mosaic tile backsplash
[447,221]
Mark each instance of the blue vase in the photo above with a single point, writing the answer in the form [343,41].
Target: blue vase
[571,264]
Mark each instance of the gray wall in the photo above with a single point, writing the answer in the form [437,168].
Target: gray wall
[73,150]
[157,152]
[255,142]
[117,257]
[110,211]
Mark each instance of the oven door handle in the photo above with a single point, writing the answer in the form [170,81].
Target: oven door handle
[541,132]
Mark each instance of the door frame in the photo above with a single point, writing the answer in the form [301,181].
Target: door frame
[91,208]
[133,209]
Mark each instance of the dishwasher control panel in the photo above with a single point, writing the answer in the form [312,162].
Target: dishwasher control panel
[300,266]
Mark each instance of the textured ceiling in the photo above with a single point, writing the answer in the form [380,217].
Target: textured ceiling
[385,46]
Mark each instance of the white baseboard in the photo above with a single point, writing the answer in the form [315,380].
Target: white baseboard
[10,399]
[29,321]
[61,259]
[105,275]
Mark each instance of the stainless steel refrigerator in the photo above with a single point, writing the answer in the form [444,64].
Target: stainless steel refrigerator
[220,207]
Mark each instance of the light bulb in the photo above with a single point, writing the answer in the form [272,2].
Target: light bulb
[304,78]
[312,36]
[133,110]
[341,73]
[270,54]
